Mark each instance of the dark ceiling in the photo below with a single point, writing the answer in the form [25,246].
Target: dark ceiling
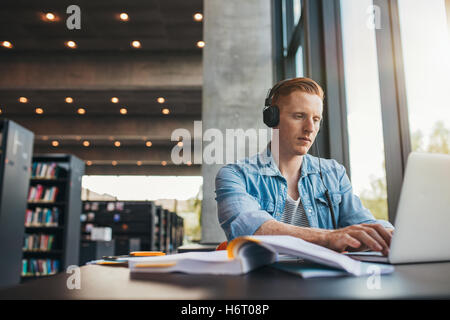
[165,28]
[160,25]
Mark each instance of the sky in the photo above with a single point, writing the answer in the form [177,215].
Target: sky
[426,50]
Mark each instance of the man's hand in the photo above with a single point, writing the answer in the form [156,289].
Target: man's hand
[360,237]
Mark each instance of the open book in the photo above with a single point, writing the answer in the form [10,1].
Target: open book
[244,254]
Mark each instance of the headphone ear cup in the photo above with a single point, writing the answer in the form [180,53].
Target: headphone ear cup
[271,116]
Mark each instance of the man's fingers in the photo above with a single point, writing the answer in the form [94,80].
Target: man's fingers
[363,237]
[351,242]
[376,236]
[387,236]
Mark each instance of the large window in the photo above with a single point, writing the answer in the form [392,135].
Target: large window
[426,57]
[365,130]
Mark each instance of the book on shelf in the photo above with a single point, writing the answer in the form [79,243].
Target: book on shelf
[38,242]
[247,253]
[39,267]
[39,193]
[45,170]
[42,217]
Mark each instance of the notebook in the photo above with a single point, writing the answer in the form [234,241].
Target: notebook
[245,254]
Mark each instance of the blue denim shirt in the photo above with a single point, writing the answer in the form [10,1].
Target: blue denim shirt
[253,191]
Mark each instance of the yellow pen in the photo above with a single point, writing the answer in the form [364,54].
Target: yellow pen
[146,253]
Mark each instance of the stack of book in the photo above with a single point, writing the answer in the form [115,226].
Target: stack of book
[39,267]
[38,242]
[44,170]
[39,193]
[42,217]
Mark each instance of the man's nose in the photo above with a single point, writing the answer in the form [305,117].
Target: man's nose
[309,125]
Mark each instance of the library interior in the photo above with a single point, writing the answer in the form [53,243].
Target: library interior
[116,118]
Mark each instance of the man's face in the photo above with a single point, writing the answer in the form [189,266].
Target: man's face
[300,115]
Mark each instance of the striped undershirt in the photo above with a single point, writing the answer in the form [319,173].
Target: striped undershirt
[294,213]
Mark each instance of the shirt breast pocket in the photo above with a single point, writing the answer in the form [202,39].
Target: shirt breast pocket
[323,206]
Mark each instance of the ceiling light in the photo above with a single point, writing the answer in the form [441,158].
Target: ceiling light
[23,100]
[81,111]
[114,100]
[86,143]
[189,163]
[117,143]
[139,163]
[200,44]
[148,143]
[69,100]
[7,44]
[1,111]
[165,111]
[89,162]
[198,16]
[114,163]
[163,163]
[55,143]
[39,110]
[180,144]
[123,111]
[71,44]
[136,44]
[50,16]
[124,16]
[161,100]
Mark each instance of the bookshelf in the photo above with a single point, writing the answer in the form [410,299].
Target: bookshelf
[16,149]
[132,222]
[52,217]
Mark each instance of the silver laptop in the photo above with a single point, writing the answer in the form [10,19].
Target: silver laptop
[422,224]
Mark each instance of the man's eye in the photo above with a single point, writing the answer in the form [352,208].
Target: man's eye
[299,116]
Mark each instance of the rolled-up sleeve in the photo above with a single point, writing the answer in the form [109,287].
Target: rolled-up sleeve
[239,213]
[351,209]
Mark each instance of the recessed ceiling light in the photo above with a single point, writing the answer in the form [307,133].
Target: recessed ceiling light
[86,143]
[39,110]
[136,44]
[55,143]
[198,16]
[114,163]
[139,163]
[148,143]
[81,111]
[69,100]
[117,143]
[50,16]
[89,162]
[200,44]
[123,110]
[114,100]
[23,100]
[71,44]
[161,100]
[165,111]
[7,44]
[124,16]
[163,163]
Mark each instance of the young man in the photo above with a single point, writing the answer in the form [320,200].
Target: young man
[280,191]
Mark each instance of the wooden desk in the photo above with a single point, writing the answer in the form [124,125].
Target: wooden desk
[416,281]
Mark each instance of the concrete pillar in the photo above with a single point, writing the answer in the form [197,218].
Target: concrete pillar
[237,72]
